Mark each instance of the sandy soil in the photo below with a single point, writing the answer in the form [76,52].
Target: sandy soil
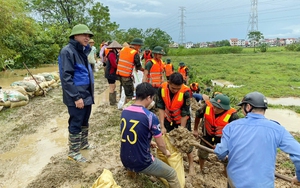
[33,148]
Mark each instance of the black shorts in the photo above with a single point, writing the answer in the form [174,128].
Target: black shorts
[110,81]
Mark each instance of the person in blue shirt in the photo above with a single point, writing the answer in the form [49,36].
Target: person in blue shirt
[138,126]
[250,145]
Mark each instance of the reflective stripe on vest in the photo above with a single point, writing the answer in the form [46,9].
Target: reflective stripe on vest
[214,126]
[173,108]
[126,62]
[155,74]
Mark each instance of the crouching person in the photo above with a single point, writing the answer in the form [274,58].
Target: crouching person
[138,126]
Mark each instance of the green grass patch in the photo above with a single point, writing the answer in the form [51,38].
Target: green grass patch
[275,74]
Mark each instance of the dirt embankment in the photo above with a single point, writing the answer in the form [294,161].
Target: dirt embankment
[33,148]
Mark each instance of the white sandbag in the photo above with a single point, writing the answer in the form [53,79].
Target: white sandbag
[138,77]
[47,76]
[3,96]
[122,99]
[15,96]
[29,86]
[38,78]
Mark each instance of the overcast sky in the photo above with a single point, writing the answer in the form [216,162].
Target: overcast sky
[208,20]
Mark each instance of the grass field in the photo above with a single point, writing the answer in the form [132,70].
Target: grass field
[275,73]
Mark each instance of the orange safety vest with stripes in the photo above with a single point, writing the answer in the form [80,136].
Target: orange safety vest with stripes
[182,72]
[173,107]
[213,125]
[169,69]
[155,75]
[194,88]
[126,62]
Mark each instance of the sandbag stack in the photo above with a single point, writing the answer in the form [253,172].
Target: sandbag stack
[19,92]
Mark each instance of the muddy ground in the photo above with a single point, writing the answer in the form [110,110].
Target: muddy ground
[33,148]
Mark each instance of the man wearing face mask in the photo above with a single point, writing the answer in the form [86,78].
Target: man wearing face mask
[215,115]
[251,146]
[77,81]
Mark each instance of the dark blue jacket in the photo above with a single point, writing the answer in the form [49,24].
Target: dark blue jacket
[76,75]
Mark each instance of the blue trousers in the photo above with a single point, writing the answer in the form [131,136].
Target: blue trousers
[162,170]
[78,118]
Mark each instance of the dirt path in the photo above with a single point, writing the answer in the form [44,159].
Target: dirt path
[33,148]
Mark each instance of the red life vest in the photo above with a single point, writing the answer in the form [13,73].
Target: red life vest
[213,125]
[147,57]
[169,69]
[173,108]
[155,75]
[126,62]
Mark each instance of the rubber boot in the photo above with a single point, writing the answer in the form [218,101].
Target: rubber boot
[74,148]
[111,100]
[84,138]
[114,97]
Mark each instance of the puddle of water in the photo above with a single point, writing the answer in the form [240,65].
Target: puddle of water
[33,152]
[288,101]
[224,83]
[287,118]
[8,77]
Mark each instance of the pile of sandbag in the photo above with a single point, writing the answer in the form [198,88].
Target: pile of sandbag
[19,92]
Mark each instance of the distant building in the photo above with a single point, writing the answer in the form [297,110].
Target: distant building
[203,45]
[189,45]
[233,41]
[174,45]
[290,41]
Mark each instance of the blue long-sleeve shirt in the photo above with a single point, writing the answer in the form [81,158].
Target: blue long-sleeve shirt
[251,145]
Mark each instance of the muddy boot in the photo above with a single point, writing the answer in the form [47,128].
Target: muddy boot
[115,97]
[74,148]
[111,99]
[84,138]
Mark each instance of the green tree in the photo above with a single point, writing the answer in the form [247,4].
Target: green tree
[157,37]
[255,36]
[15,33]
[71,12]
[100,23]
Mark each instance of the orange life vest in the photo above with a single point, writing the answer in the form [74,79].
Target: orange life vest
[182,72]
[173,108]
[213,125]
[169,69]
[194,88]
[155,75]
[147,57]
[106,51]
[126,62]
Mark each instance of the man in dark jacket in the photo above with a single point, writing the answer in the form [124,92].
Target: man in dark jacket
[77,82]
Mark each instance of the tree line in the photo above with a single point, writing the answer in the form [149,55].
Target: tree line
[34,31]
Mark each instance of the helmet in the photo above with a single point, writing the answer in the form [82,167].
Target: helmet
[158,50]
[91,40]
[137,41]
[221,101]
[181,64]
[81,29]
[255,99]
[168,60]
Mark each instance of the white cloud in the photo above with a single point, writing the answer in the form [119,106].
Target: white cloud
[291,31]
